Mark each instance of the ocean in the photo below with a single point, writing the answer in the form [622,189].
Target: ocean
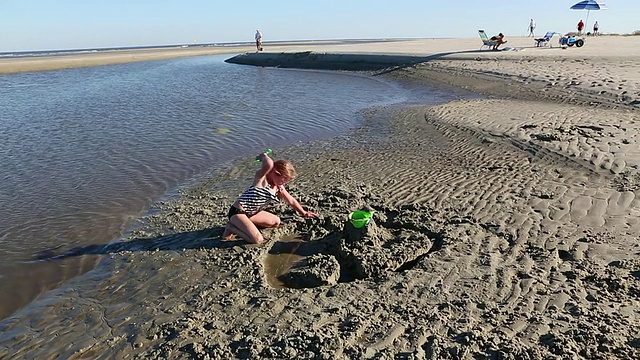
[87,151]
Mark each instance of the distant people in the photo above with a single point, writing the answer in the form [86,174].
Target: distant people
[596,27]
[532,26]
[499,40]
[258,40]
[580,27]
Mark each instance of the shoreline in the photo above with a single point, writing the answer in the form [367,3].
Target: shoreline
[506,227]
[519,48]
[12,65]
[112,57]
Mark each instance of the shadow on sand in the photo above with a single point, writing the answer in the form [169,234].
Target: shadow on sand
[201,239]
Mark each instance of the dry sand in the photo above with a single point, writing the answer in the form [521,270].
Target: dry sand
[505,227]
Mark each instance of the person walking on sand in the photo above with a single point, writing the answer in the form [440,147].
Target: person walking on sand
[596,27]
[580,27]
[532,26]
[247,213]
[258,37]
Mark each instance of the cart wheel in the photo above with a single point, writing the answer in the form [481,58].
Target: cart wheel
[579,43]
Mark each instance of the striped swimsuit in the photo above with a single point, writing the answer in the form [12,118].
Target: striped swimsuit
[255,199]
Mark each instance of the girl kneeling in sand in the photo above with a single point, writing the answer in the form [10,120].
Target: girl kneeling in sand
[247,214]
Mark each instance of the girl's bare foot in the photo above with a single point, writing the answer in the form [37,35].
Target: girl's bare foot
[227,234]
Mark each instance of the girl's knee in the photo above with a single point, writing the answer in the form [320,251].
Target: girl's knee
[273,221]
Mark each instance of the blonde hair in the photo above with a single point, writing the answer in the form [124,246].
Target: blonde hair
[285,168]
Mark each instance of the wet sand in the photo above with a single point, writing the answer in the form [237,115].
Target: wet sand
[504,227]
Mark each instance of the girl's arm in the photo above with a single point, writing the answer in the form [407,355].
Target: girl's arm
[284,194]
[267,165]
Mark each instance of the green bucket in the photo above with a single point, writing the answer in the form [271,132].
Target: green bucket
[360,218]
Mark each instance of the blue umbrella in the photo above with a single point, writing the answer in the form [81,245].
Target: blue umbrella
[588,5]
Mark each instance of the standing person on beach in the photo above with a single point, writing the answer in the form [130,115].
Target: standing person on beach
[258,40]
[596,27]
[532,26]
[247,214]
[580,27]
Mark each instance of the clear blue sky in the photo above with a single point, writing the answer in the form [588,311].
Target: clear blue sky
[69,24]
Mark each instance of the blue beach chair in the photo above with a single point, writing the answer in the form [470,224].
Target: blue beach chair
[485,40]
[546,39]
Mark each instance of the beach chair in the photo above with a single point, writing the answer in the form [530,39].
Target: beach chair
[546,39]
[485,40]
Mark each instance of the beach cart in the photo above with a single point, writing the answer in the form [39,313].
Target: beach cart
[571,40]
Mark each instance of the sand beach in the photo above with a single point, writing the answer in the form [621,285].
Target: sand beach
[505,227]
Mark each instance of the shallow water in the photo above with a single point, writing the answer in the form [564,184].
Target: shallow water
[104,312]
[86,151]
[279,262]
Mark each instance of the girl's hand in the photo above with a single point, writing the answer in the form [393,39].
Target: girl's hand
[310,214]
[263,155]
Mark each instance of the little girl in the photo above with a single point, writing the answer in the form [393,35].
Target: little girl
[247,214]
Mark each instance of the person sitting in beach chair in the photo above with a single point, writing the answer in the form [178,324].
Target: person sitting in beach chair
[485,40]
[499,40]
[546,39]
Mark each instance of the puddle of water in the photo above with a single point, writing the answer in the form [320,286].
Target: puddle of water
[282,256]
